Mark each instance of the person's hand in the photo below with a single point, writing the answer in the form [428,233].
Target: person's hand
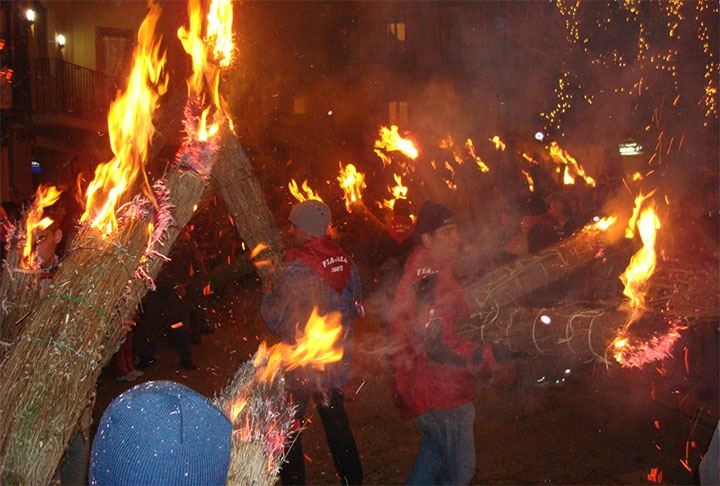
[127,326]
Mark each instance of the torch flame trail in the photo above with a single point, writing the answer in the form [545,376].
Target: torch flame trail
[572,168]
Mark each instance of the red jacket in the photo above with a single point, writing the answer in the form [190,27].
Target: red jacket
[422,383]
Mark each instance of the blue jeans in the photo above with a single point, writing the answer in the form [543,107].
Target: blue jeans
[447,452]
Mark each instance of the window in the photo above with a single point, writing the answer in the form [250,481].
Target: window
[398,112]
[396,34]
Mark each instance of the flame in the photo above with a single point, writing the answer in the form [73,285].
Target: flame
[45,196]
[398,192]
[352,183]
[219,31]
[218,42]
[571,167]
[603,224]
[499,144]
[632,222]
[391,141]
[258,249]
[642,263]
[130,129]
[316,345]
[530,182]
[478,160]
[309,193]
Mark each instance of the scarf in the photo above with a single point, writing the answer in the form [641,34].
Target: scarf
[326,259]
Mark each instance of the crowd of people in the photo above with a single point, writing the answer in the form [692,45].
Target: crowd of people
[163,432]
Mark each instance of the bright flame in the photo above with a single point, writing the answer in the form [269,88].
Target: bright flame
[476,158]
[352,183]
[316,345]
[530,182]
[206,73]
[642,263]
[130,129]
[309,193]
[219,31]
[632,222]
[499,144]
[391,141]
[258,249]
[604,223]
[572,169]
[45,196]
[398,191]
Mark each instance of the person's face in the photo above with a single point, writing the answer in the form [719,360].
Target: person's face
[46,242]
[444,240]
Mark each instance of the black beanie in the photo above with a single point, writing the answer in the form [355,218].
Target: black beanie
[433,216]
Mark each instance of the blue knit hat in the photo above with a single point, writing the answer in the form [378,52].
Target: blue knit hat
[161,432]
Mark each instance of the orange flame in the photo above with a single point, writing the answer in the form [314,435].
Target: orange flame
[45,196]
[391,141]
[309,193]
[352,183]
[398,192]
[316,345]
[499,144]
[603,224]
[130,129]
[530,182]
[571,167]
[219,32]
[205,73]
[478,160]
[642,263]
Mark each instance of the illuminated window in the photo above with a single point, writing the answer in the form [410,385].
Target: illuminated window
[397,30]
[396,33]
[398,112]
[299,105]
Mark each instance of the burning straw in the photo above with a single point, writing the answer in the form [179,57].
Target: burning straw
[502,287]
[50,372]
[261,418]
[575,330]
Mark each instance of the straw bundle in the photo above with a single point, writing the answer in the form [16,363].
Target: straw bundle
[50,373]
[581,331]
[502,287]
[235,177]
[261,418]
[18,293]
[574,330]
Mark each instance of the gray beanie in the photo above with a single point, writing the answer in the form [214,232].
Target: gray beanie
[161,432]
[311,216]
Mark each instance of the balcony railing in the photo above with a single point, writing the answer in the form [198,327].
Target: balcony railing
[62,88]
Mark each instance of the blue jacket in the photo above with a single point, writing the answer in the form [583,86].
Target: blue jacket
[287,309]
